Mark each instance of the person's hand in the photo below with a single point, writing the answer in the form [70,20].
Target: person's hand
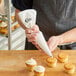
[31,34]
[53,42]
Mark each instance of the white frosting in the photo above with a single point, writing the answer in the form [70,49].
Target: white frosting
[3,24]
[39,69]
[31,61]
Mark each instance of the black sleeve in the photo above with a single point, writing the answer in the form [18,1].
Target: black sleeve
[22,4]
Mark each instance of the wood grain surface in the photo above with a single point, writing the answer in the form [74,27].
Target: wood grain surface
[12,63]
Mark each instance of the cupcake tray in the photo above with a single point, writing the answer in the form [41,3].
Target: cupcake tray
[12,63]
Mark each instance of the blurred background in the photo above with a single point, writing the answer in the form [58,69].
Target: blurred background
[13,37]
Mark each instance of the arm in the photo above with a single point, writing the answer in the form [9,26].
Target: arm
[67,37]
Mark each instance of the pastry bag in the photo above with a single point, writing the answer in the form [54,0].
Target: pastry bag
[28,18]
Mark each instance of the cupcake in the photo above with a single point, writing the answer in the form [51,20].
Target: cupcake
[69,68]
[16,26]
[51,61]
[30,64]
[4,31]
[62,57]
[39,71]
[3,24]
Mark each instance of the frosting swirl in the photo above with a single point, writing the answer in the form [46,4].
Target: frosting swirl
[31,61]
[39,69]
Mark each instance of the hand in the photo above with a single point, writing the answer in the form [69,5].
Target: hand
[53,42]
[31,34]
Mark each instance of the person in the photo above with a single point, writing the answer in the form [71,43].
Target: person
[55,18]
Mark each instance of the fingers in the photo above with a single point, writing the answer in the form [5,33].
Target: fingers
[32,37]
[34,29]
[52,43]
[28,31]
[38,47]
[34,42]
[31,33]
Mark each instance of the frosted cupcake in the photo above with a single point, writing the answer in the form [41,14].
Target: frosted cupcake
[39,71]
[30,64]
[51,61]
[62,57]
[69,68]
[3,25]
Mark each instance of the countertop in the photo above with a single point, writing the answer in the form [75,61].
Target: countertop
[12,63]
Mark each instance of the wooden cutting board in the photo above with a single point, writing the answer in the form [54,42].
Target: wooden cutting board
[12,63]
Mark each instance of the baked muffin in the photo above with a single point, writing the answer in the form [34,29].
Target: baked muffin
[69,68]
[62,57]
[16,26]
[3,24]
[4,31]
[51,61]
[39,71]
[30,64]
